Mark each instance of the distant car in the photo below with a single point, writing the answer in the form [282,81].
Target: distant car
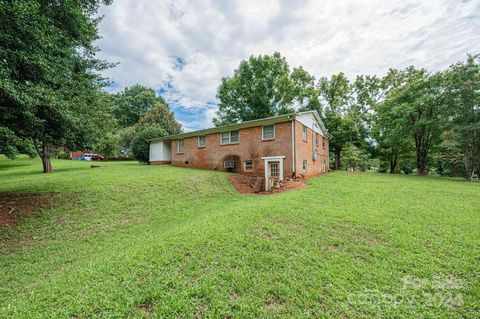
[97,157]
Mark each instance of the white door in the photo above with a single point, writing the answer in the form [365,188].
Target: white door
[273,174]
[273,168]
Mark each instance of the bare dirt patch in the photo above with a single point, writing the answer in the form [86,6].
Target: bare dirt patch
[14,207]
[146,308]
[244,184]
[274,305]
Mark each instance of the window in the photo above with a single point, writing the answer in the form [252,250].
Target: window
[317,139]
[274,169]
[304,133]
[268,132]
[180,146]
[234,137]
[201,141]
[248,165]
[304,166]
[323,141]
[231,137]
[225,138]
[229,163]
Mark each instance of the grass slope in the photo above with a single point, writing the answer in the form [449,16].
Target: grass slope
[132,241]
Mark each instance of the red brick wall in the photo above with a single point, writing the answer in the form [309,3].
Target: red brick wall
[250,147]
[160,162]
[304,151]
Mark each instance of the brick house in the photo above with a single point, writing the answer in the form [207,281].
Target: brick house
[272,148]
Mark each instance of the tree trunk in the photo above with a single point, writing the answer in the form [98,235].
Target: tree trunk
[47,164]
[421,163]
[337,159]
[43,151]
[393,163]
[421,170]
[469,169]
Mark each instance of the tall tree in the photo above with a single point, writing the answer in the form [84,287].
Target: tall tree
[340,119]
[132,103]
[160,116]
[463,99]
[263,86]
[49,80]
[420,106]
[393,142]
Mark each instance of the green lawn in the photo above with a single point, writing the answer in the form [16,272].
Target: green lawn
[131,241]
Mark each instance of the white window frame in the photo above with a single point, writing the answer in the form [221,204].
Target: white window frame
[178,146]
[317,139]
[204,141]
[277,169]
[245,166]
[229,137]
[304,165]
[263,133]
[304,133]
[221,138]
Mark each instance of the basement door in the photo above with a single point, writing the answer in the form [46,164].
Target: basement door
[273,174]
[273,166]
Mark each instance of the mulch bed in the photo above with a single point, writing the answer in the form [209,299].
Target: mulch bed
[242,184]
[15,207]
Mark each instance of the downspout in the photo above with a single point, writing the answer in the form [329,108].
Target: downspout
[314,141]
[292,118]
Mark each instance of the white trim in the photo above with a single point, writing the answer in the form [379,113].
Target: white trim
[271,138]
[245,165]
[205,141]
[272,158]
[266,161]
[293,146]
[178,146]
[230,137]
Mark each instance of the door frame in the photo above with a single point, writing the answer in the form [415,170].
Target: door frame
[266,162]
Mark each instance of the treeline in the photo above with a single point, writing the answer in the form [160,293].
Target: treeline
[408,121]
[52,96]
[136,114]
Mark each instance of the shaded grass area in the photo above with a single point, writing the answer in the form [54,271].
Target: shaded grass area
[131,241]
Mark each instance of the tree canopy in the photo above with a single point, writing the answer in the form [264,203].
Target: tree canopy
[52,97]
[263,86]
[463,102]
[409,120]
[161,116]
[50,88]
[132,103]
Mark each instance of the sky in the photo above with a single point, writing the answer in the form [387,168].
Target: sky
[182,49]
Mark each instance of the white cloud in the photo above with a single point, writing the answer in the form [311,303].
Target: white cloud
[186,47]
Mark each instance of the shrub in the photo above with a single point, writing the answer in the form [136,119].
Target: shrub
[407,169]
[383,168]
[141,142]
